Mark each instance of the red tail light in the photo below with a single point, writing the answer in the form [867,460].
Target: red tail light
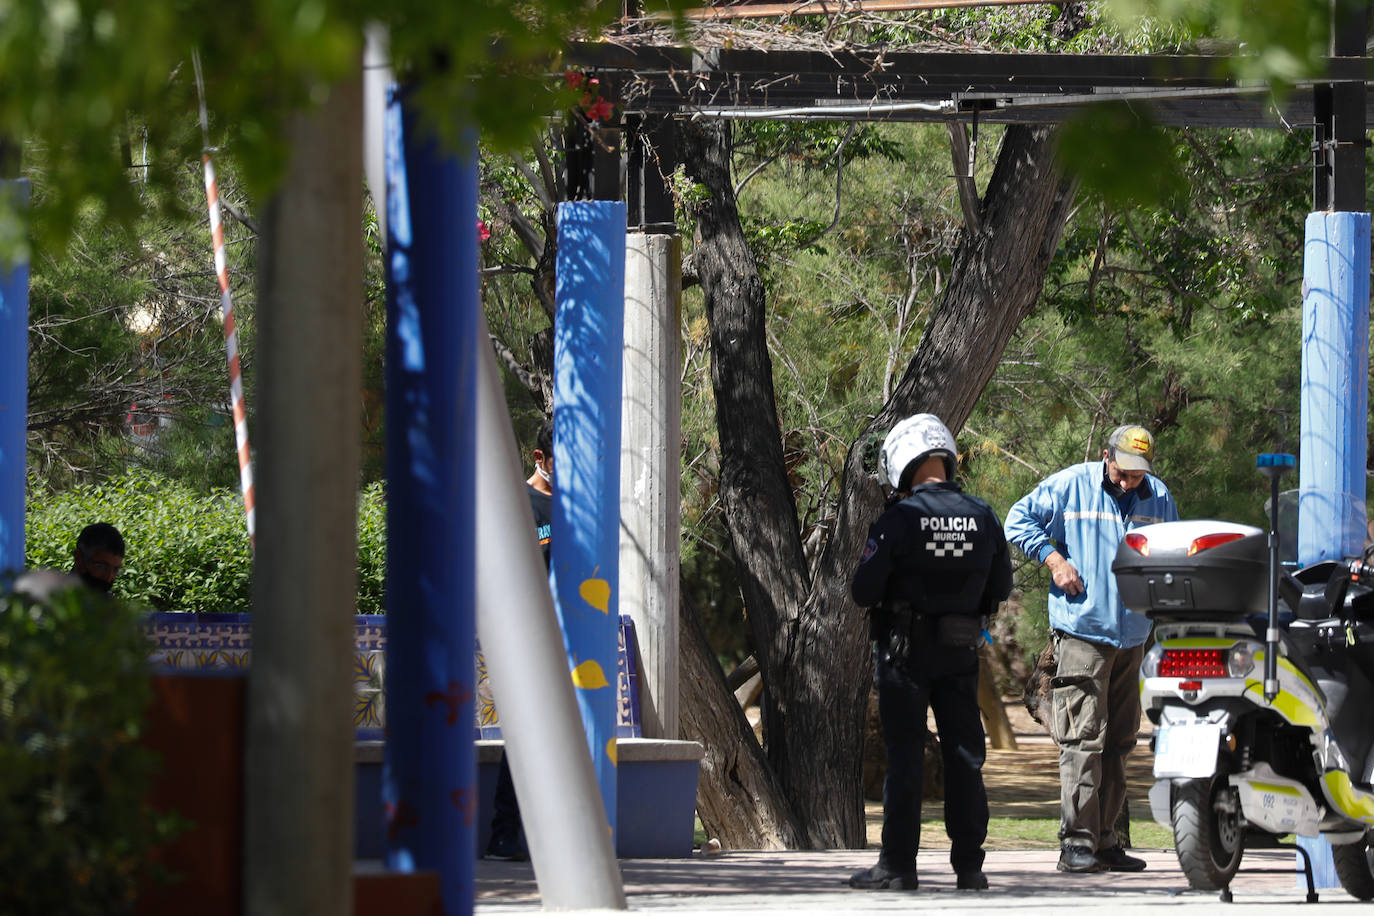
[1139,543]
[1208,541]
[1193,663]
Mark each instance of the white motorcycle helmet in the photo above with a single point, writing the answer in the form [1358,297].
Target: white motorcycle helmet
[917,437]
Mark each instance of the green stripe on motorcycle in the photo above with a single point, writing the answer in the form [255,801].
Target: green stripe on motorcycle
[1353,803]
[1199,642]
[1276,789]
[1287,705]
[1288,666]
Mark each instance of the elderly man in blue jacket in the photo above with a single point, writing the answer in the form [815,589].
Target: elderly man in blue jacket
[1072,522]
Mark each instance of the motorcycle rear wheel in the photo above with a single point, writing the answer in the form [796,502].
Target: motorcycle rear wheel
[1209,841]
[1355,868]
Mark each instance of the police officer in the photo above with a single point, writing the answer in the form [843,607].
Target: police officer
[935,566]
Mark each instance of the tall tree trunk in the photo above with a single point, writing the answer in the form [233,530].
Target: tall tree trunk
[739,801]
[810,638]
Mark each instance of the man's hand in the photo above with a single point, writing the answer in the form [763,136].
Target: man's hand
[1065,575]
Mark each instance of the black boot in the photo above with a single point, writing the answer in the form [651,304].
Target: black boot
[1115,859]
[880,877]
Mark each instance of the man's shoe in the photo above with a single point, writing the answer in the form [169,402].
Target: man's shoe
[971,881]
[1078,859]
[506,849]
[880,877]
[1115,859]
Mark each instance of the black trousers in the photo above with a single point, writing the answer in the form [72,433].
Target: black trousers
[505,817]
[944,680]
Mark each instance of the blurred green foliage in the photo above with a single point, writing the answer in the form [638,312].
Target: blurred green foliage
[187,548]
[75,834]
[83,77]
[125,330]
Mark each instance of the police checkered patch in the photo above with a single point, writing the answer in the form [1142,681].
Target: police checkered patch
[950,548]
[869,550]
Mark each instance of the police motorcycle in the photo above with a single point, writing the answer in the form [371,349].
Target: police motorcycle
[1261,688]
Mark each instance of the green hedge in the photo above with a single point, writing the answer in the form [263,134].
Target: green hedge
[187,550]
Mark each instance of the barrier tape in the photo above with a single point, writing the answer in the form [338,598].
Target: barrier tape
[226,307]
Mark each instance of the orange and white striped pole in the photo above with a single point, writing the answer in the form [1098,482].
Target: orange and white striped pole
[226,307]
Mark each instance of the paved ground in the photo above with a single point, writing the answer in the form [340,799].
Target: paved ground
[1021,783]
[813,882]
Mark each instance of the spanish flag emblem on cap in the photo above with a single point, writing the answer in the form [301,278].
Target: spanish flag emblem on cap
[1133,448]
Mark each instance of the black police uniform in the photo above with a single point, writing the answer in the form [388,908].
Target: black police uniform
[939,553]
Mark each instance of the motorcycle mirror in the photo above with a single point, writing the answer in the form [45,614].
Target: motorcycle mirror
[1335,590]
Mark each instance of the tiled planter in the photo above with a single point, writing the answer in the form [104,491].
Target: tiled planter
[656,792]
[198,642]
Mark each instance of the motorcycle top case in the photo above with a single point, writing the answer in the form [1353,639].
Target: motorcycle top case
[1181,570]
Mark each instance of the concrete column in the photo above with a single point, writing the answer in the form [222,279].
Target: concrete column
[650,466]
[299,830]
[14,394]
[377,83]
[588,337]
[1335,380]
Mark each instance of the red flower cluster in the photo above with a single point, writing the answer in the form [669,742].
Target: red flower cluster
[483,233]
[593,105]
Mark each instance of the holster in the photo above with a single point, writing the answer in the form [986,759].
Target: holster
[899,630]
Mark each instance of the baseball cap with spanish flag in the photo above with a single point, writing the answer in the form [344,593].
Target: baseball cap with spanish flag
[1133,448]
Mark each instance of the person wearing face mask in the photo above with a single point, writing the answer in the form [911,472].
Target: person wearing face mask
[98,556]
[1072,522]
[507,835]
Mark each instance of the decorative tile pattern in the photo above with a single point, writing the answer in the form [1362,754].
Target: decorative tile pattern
[627,724]
[488,723]
[369,674]
[183,642]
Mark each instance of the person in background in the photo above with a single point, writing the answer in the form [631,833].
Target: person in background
[935,567]
[1072,522]
[98,555]
[507,841]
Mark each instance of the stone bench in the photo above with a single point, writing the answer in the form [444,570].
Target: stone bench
[656,786]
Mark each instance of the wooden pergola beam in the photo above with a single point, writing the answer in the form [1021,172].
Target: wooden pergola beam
[875,85]
[745,9]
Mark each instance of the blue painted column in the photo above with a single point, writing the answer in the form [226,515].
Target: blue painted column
[1335,392]
[588,335]
[1335,396]
[14,394]
[429,778]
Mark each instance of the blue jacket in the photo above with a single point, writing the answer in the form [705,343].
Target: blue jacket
[1070,511]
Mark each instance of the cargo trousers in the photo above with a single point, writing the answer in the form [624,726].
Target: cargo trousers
[1094,720]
